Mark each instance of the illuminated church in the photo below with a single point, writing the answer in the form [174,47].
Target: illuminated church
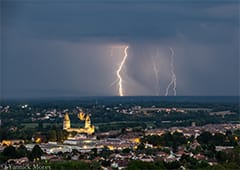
[88,128]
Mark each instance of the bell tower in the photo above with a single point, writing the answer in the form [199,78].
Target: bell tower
[66,122]
[87,122]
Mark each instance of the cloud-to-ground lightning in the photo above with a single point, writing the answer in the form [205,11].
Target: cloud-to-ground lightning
[120,85]
[115,81]
[156,74]
[173,81]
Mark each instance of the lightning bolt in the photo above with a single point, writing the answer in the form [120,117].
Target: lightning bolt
[115,81]
[155,70]
[120,86]
[173,75]
[156,74]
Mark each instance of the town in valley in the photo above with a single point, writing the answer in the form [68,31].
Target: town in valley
[121,133]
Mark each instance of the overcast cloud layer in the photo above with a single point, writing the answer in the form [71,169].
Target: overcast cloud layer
[72,48]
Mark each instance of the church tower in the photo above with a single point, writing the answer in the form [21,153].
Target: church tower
[87,122]
[66,122]
[89,129]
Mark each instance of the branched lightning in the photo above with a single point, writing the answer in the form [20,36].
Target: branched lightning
[115,81]
[156,74]
[173,75]
[120,86]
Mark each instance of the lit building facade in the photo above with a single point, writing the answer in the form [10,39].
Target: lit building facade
[88,128]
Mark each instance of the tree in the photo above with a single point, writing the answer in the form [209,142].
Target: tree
[204,138]
[105,152]
[37,152]
[61,136]
[218,139]
[10,152]
[30,156]
[141,146]
[52,135]
[40,126]
[22,151]
[140,165]
[172,165]
[221,156]
[3,134]
[94,152]
[126,150]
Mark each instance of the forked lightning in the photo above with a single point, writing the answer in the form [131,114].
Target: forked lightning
[173,81]
[118,73]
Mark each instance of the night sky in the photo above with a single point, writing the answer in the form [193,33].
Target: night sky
[68,48]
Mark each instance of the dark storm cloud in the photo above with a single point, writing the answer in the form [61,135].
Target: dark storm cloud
[78,21]
[52,47]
